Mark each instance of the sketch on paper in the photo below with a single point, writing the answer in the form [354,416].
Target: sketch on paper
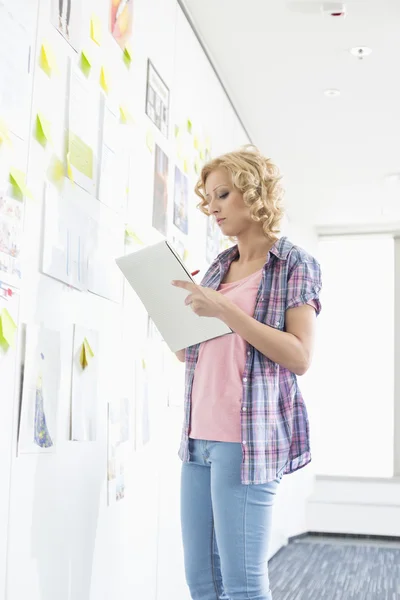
[40,391]
[11,220]
[84,385]
[118,438]
[66,231]
[66,18]
[160,196]
[157,100]
[181,201]
[121,19]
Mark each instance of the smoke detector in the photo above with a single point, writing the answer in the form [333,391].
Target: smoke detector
[332,93]
[360,51]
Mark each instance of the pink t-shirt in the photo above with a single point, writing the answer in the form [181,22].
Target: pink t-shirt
[217,385]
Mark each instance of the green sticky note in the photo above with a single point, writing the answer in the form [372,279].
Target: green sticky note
[7,329]
[127,56]
[18,181]
[80,155]
[189,126]
[86,63]
[43,129]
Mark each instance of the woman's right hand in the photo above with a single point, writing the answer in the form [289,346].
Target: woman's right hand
[180,355]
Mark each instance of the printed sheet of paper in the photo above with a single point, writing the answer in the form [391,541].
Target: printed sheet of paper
[66,231]
[83,129]
[84,385]
[118,438]
[40,392]
[106,243]
[11,222]
[114,167]
[14,75]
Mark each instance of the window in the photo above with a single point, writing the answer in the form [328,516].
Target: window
[354,359]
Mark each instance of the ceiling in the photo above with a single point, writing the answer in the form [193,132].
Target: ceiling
[275,59]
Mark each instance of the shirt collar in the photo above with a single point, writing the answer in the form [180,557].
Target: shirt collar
[280,249]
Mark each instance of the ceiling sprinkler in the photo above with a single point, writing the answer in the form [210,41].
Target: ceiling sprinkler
[361,52]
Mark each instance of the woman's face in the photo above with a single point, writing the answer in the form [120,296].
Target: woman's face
[226,204]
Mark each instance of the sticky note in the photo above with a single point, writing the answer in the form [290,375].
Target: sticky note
[43,129]
[86,354]
[150,141]
[127,55]
[80,155]
[186,166]
[18,180]
[189,126]
[197,166]
[4,133]
[202,154]
[129,233]
[47,60]
[96,29]
[177,130]
[86,63]
[125,114]
[7,330]
[104,80]
[144,364]
[208,144]
[56,171]
[196,142]
[69,168]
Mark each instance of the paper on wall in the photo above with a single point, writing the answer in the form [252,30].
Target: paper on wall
[84,385]
[40,392]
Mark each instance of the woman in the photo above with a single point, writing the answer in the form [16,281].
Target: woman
[245,420]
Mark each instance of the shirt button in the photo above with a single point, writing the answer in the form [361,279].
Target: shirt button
[277,323]
[244,379]
[248,352]
[244,408]
[244,442]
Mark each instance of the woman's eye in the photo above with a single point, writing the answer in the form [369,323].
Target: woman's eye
[224,195]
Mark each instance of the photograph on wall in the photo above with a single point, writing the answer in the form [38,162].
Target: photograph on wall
[40,391]
[181,201]
[160,196]
[11,219]
[84,385]
[66,16]
[157,100]
[212,239]
[121,19]
[118,436]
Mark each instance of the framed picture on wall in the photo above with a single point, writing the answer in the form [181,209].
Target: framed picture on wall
[181,201]
[157,100]
[66,16]
[121,19]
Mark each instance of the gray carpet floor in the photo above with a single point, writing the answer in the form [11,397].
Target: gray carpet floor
[333,569]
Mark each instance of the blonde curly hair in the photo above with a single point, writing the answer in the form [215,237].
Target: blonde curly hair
[257,178]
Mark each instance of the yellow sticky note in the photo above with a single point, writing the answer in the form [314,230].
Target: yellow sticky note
[177,130]
[202,155]
[208,144]
[86,63]
[18,180]
[69,168]
[189,126]
[125,114]
[80,155]
[4,133]
[197,166]
[104,80]
[86,354]
[56,171]
[144,366]
[47,60]
[129,233]
[150,141]
[127,55]
[96,29]
[196,142]
[186,166]
[43,129]
[7,330]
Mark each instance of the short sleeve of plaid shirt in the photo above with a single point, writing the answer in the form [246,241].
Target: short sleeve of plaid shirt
[304,281]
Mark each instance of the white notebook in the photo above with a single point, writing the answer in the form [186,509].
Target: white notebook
[150,272]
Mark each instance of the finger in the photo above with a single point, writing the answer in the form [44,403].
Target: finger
[186,285]
[189,299]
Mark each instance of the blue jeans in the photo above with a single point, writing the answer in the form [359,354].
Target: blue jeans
[225,525]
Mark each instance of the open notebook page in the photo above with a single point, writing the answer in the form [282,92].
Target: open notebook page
[150,272]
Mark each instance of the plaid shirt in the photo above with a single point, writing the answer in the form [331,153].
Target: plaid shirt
[274,421]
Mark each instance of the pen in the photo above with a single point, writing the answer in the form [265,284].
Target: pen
[195,272]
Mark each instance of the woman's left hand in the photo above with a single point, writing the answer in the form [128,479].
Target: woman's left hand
[203,301]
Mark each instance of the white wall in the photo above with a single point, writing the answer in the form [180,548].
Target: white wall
[63,539]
